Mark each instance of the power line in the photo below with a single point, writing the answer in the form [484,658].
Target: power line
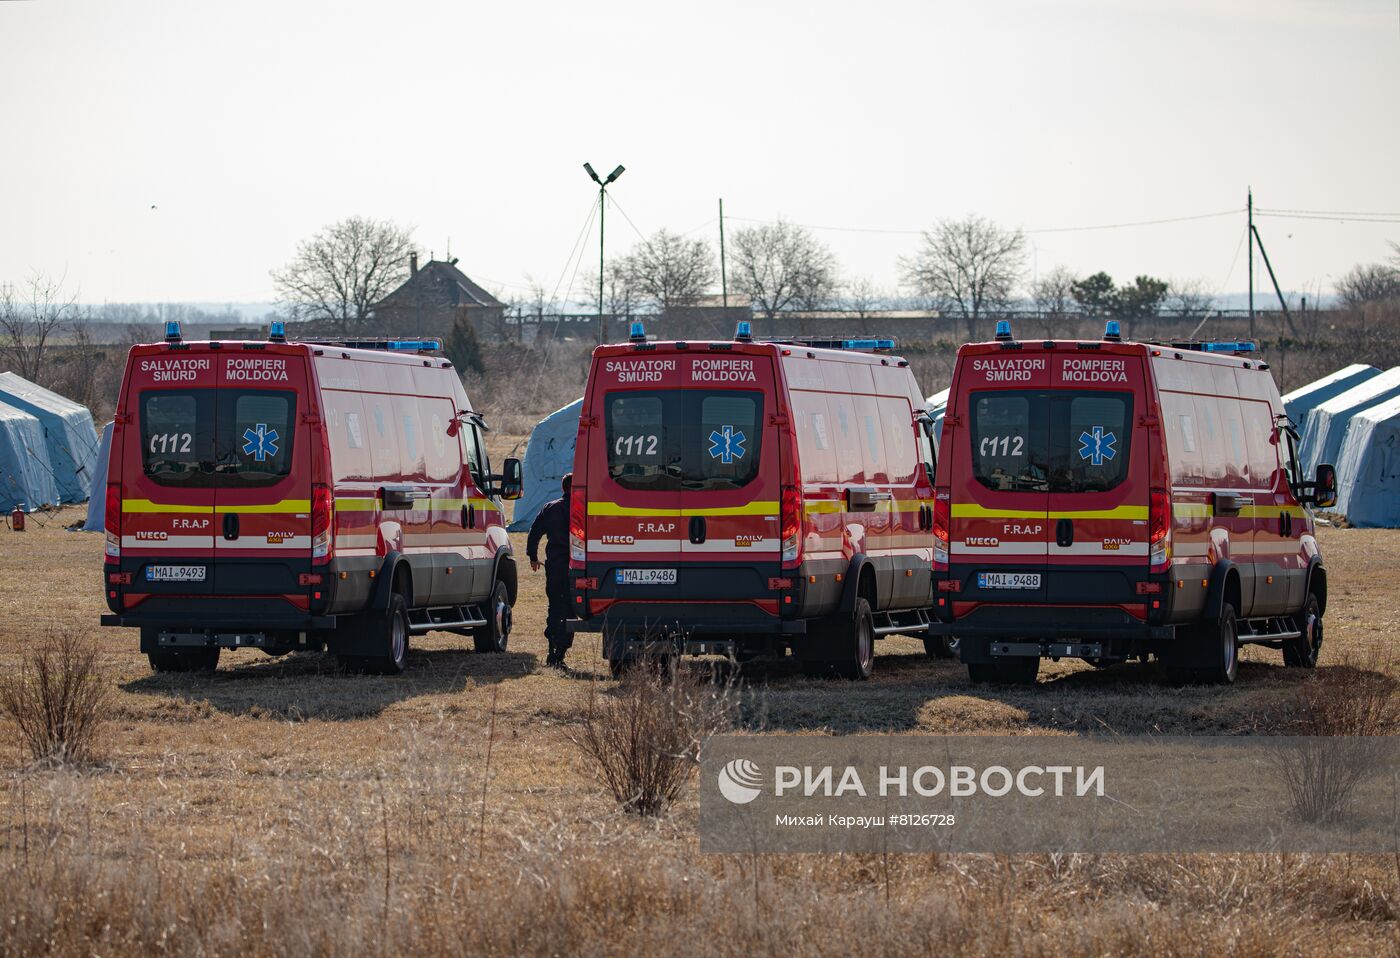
[1353,218]
[1046,229]
[1326,212]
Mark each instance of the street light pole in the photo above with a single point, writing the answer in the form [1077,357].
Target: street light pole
[602,205]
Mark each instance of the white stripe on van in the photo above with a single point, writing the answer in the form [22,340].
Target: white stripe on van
[260,542]
[1097,549]
[1003,548]
[169,542]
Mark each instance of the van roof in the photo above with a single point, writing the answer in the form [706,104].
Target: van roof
[290,348]
[757,347]
[1188,351]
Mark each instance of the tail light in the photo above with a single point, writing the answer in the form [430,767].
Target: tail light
[1159,522]
[578,528]
[322,516]
[113,520]
[941,523]
[790,522]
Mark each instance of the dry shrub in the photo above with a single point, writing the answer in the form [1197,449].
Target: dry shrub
[58,698]
[644,736]
[1346,714]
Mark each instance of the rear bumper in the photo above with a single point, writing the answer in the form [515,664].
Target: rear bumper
[1050,622]
[678,619]
[217,617]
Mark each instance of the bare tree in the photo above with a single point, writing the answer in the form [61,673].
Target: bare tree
[1188,298]
[780,266]
[1053,295]
[621,300]
[1370,283]
[863,297]
[967,266]
[341,272]
[31,320]
[668,270]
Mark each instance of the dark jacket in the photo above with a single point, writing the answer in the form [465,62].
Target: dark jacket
[553,524]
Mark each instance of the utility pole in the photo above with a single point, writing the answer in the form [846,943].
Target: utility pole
[1249,208]
[602,204]
[723,277]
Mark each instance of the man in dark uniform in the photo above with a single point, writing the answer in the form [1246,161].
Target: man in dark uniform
[553,524]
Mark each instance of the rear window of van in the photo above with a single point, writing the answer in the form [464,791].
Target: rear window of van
[1050,440]
[684,439]
[208,438]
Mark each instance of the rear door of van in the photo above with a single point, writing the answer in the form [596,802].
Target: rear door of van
[261,471]
[687,479]
[1097,534]
[167,484]
[1000,465]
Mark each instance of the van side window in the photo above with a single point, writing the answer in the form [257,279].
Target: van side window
[345,429]
[444,462]
[849,468]
[177,434]
[1008,442]
[897,422]
[477,461]
[814,439]
[926,454]
[1258,434]
[684,439]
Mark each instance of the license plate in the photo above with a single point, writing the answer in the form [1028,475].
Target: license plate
[646,576]
[174,573]
[1008,580]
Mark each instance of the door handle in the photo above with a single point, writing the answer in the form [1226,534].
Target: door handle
[471,515]
[230,525]
[1064,533]
[697,529]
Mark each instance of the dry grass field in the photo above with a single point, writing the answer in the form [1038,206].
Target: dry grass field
[281,807]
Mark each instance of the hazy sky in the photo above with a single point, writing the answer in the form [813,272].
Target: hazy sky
[248,125]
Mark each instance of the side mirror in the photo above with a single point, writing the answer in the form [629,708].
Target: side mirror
[512,479]
[1325,487]
[454,427]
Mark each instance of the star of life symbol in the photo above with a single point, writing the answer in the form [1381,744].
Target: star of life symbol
[1096,446]
[260,442]
[726,445]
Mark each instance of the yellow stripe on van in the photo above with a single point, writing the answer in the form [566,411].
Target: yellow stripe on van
[270,508]
[824,506]
[356,504]
[971,510]
[763,508]
[146,505]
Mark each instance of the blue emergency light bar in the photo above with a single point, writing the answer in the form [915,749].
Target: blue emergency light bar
[860,345]
[277,332]
[638,332]
[743,332]
[1112,332]
[172,331]
[1236,347]
[1003,329]
[405,345]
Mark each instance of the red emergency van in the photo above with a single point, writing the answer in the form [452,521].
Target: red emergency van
[747,498]
[291,495]
[1109,499]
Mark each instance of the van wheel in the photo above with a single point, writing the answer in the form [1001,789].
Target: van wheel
[1020,670]
[1214,642]
[393,630]
[494,636]
[1302,652]
[842,646]
[185,660]
[620,666]
[940,647]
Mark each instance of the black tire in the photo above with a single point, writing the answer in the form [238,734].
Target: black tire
[1301,653]
[185,660]
[391,630]
[1018,670]
[1218,642]
[940,647]
[843,645]
[494,636]
[621,665]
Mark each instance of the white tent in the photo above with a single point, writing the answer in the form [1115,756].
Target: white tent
[937,406]
[1326,425]
[549,455]
[68,432]
[1302,400]
[26,475]
[97,495]
[1368,473]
